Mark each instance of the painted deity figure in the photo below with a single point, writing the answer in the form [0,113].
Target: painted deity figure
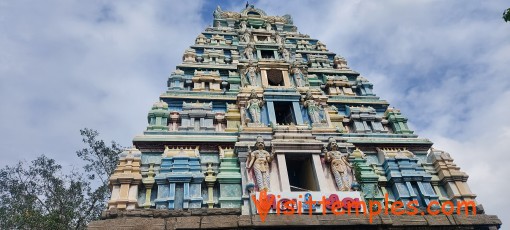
[253,106]
[251,74]
[248,52]
[298,76]
[246,37]
[243,25]
[259,160]
[314,109]
[268,26]
[285,54]
[217,12]
[340,167]
[279,39]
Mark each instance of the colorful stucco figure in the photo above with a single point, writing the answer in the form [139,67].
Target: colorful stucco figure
[313,107]
[251,74]
[340,166]
[259,160]
[253,106]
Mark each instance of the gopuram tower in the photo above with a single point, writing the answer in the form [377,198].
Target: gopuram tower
[258,112]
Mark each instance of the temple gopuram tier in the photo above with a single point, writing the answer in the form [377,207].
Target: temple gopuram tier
[260,120]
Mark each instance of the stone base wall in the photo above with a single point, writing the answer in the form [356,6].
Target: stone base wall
[232,219]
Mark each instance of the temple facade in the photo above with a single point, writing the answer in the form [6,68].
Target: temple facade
[257,107]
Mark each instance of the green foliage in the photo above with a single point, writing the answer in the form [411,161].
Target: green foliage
[38,195]
[506,15]
[357,172]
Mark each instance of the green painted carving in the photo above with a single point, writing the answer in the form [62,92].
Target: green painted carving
[397,121]
[365,176]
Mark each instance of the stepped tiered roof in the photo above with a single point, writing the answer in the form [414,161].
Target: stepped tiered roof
[256,106]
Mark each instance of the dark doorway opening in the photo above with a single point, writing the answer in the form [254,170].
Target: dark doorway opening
[267,54]
[275,77]
[283,113]
[301,173]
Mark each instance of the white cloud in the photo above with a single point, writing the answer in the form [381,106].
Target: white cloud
[74,64]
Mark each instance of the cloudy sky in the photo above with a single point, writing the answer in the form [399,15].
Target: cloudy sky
[66,65]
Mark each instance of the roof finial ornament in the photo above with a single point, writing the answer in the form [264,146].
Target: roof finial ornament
[247,4]
[217,12]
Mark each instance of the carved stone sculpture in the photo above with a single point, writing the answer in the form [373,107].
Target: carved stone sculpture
[251,75]
[248,52]
[279,39]
[242,25]
[217,12]
[340,167]
[259,160]
[314,109]
[285,54]
[246,37]
[299,77]
[268,26]
[253,106]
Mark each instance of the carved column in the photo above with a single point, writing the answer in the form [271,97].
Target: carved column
[229,177]
[210,180]
[148,183]
[233,117]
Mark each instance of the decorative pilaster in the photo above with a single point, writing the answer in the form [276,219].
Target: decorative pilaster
[210,180]
[148,182]
[233,117]
[366,176]
[435,182]
[229,178]
[335,120]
